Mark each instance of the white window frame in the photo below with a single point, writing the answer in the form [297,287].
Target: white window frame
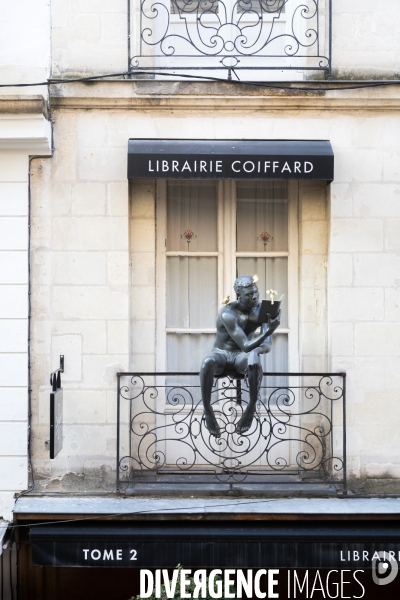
[227,256]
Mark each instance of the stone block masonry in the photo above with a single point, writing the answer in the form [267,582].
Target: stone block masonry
[94,263]
[80,263]
[13,327]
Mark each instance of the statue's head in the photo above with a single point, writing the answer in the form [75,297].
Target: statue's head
[246,289]
[244,281]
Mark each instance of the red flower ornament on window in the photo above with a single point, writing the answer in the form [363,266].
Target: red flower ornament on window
[189,236]
[265,237]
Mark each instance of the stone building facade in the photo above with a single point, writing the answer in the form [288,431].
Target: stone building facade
[79,242]
[95,255]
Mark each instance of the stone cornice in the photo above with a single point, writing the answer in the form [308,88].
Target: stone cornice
[211,97]
[242,104]
[22,105]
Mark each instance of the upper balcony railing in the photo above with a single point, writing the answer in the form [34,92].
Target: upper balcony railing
[262,39]
[296,442]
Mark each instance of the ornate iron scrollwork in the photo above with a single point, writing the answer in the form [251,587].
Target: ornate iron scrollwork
[231,34]
[292,433]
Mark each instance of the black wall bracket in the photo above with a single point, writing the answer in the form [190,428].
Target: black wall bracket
[55,376]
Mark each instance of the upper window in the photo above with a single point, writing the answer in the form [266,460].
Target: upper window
[194,6]
[269,6]
[212,6]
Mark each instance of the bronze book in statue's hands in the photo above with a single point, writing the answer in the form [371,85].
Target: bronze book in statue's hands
[269,308]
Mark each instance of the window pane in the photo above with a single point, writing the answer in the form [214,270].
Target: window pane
[272,274]
[185,353]
[194,6]
[276,361]
[192,207]
[267,6]
[262,211]
[191,292]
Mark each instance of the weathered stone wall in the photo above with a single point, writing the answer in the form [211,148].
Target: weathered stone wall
[90,36]
[364,267]
[26,46]
[86,300]
[143,274]
[80,295]
[366,40]
[313,263]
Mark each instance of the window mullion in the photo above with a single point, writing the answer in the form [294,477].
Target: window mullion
[293,276]
[230,236]
[161,276]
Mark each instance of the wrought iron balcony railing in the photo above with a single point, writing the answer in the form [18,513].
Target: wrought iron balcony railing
[298,434]
[233,35]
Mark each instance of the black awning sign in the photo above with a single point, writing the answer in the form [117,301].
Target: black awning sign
[200,554]
[160,545]
[243,159]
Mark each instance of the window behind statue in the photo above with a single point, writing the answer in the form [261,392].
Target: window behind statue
[215,231]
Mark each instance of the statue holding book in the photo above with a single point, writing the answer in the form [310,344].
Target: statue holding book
[237,347]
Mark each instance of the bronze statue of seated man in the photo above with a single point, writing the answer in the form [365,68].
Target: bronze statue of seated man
[237,348]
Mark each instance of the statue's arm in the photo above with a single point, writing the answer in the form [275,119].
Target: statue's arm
[266,346]
[239,336]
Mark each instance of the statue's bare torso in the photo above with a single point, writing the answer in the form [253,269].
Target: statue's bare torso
[247,322]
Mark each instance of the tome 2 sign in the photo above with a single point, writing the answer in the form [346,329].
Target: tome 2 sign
[110,554]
